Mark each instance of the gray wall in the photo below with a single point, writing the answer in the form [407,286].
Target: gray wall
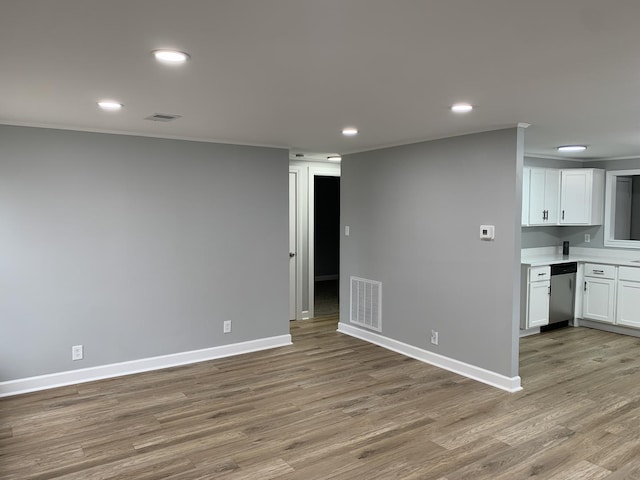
[575,235]
[415,213]
[551,163]
[136,247]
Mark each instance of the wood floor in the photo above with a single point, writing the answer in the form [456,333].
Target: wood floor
[333,407]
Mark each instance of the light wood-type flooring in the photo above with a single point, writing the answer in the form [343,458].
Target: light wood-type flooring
[334,407]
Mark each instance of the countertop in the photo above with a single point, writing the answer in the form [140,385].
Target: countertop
[535,259]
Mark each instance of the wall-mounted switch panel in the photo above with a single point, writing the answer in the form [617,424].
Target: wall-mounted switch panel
[226,326]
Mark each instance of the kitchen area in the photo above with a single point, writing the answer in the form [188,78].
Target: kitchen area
[580,257]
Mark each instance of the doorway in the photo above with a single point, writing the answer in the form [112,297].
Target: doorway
[326,241]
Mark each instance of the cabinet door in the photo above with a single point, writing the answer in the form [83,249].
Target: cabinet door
[597,299]
[552,195]
[537,179]
[544,185]
[538,313]
[575,202]
[628,311]
[526,175]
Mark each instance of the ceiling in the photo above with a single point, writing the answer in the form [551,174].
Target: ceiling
[293,73]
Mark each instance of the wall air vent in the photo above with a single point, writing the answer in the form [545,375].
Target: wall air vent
[366,301]
[162,117]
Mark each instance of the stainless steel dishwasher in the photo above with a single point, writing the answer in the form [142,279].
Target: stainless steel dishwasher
[563,290]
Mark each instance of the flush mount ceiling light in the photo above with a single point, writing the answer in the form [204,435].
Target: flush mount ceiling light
[572,148]
[349,131]
[334,158]
[110,105]
[461,108]
[171,56]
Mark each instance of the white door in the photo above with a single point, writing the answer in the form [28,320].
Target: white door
[552,194]
[544,189]
[622,223]
[539,303]
[576,196]
[597,300]
[526,174]
[293,250]
[628,312]
[537,207]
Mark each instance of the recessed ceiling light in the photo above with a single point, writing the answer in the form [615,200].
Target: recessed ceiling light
[461,108]
[349,131]
[171,56]
[334,158]
[572,148]
[110,105]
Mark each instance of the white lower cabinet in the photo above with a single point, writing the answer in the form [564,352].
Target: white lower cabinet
[538,314]
[628,307]
[599,292]
[536,287]
[598,299]
[628,304]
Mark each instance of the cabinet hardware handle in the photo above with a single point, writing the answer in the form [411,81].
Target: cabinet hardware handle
[599,272]
[563,214]
[570,285]
[585,286]
[541,274]
[549,290]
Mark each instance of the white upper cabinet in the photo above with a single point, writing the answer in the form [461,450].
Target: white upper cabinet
[582,196]
[526,178]
[544,188]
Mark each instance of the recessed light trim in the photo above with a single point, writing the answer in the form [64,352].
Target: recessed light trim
[461,107]
[334,158]
[171,56]
[110,105]
[349,131]
[572,148]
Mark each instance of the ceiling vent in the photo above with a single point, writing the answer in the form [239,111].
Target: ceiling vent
[162,117]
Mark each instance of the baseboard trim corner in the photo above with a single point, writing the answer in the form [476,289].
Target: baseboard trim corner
[72,377]
[509,384]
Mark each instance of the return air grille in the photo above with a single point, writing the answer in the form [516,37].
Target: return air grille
[162,117]
[366,299]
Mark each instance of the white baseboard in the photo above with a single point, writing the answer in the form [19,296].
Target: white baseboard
[61,379]
[529,331]
[510,384]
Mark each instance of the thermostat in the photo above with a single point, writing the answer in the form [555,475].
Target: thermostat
[487,232]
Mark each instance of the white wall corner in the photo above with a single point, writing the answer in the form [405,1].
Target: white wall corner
[509,384]
[72,377]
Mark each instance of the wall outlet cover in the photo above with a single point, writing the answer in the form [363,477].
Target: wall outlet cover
[77,352]
[434,337]
[226,326]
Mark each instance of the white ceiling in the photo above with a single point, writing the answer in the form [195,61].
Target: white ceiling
[293,73]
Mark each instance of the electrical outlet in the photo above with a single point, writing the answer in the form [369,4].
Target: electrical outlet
[587,238]
[434,337]
[77,352]
[226,326]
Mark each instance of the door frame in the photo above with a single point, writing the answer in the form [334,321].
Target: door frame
[298,259]
[313,173]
